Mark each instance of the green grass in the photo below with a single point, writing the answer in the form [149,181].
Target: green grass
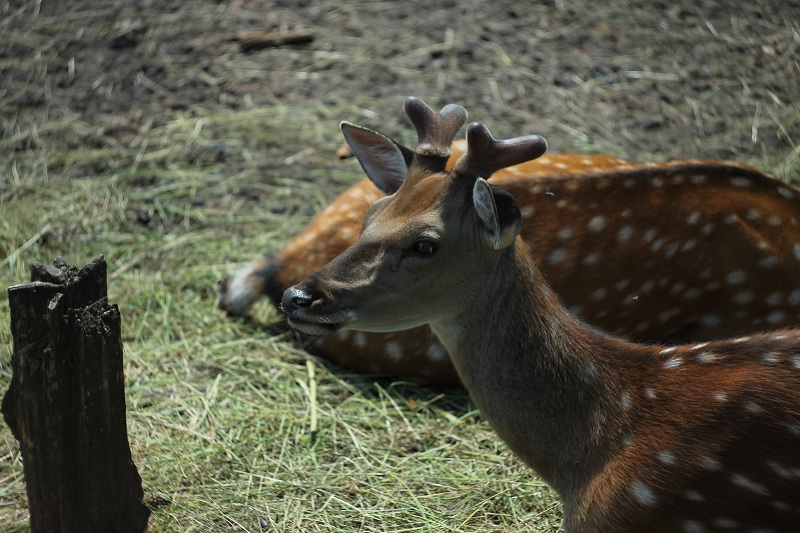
[219,411]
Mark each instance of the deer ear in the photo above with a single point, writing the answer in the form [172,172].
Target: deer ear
[385,161]
[499,214]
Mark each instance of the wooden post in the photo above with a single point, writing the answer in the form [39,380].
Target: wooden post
[66,403]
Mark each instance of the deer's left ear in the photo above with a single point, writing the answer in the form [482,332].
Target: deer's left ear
[498,212]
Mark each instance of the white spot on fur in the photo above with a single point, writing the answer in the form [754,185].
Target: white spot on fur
[767,262]
[360,339]
[779,505]
[693,218]
[690,526]
[752,407]
[743,297]
[706,357]
[776,317]
[794,298]
[736,277]
[625,233]
[564,233]
[666,457]
[770,357]
[710,464]
[739,181]
[748,484]
[597,223]
[599,294]
[642,493]
[557,256]
[394,350]
[672,248]
[650,394]
[667,314]
[725,523]
[625,400]
[711,320]
[591,259]
[720,396]
[694,496]
[436,352]
[673,362]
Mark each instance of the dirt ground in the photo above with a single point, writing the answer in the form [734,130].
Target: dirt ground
[640,79]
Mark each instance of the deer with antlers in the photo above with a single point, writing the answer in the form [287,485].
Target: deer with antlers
[633,437]
[700,250]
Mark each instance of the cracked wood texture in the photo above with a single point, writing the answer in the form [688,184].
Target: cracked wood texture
[66,403]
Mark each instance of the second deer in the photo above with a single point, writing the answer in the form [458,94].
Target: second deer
[698,437]
[676,252]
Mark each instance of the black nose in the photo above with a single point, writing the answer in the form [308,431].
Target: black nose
[302,298]
[298,296]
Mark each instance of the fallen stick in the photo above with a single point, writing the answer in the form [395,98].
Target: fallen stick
[259,39]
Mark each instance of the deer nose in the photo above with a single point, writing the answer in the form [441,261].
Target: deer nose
[300,297]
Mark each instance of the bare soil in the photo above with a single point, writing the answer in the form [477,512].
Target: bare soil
[644,80]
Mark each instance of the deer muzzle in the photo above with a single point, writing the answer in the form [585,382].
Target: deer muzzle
[308,310]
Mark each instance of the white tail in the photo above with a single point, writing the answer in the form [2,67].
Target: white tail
[701,251]
[702,437]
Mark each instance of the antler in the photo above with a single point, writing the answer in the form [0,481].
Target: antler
[486,155]
[435,131]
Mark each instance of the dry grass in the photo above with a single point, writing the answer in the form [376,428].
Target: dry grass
[180,158]
[219,410]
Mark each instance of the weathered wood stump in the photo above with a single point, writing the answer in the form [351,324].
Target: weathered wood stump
[66,403]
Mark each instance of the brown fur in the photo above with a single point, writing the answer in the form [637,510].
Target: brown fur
[634,437]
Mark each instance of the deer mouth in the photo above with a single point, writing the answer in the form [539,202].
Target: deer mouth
[314,326]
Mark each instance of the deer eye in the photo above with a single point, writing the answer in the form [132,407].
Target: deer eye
[425,247]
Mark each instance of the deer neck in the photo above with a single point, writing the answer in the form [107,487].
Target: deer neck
[534,373]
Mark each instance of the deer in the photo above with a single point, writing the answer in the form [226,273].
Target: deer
[632,437]
[702,250]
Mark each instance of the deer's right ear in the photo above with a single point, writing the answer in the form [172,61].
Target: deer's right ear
[499,213]
[385,161]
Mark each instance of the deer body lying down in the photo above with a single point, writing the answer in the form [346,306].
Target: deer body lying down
[702,437]
[686,251]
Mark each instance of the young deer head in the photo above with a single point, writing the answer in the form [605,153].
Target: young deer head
[421,259]
[693,438]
